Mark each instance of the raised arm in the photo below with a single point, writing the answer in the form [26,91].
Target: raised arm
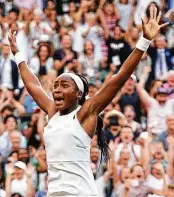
[31,81]
[98,102]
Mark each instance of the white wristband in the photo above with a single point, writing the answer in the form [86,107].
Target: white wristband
[143,44]
[19,58]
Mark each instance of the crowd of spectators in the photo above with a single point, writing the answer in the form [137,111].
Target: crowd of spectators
[92,38]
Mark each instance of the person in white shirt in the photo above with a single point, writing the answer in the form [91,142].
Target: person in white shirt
[157,108]
[126,136]
[92,31]
[89,62]
[19,179]
[9,75]
[42,63]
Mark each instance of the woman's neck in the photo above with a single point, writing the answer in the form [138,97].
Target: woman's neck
[124,163]
[69,110]
[90,55]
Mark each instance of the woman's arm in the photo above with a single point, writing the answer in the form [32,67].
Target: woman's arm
[8,180]
[31,81]
[143,94]
[107,93]
[86,32]
[30,187]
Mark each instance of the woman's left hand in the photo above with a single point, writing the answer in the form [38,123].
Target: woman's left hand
[151,29]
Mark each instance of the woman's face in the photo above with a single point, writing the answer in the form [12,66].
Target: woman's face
[158,155]
[91,19]
[129,113]
[37,19]
[126,135]
[161,98]
[84,6]
[65,93]
[11,124]
[19,173]
[138,173]
[157,170]
[43,53]
[72,7]
[109,9]
[94,153]
[125,154]
[88,47]
[124,1]
[125,174]
[134,33]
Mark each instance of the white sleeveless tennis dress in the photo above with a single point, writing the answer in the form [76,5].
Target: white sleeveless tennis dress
[68,157]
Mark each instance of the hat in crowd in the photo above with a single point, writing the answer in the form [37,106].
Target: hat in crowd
[134,78]
[21,165]
[93,83]
[44,38]
[162,90]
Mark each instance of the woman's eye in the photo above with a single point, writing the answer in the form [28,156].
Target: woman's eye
[65,86]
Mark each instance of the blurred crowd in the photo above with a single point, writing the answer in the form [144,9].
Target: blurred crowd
[93,38]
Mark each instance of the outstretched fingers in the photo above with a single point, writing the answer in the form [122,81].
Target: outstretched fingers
[159,17]
[164,25]
[151,12]
[155,13]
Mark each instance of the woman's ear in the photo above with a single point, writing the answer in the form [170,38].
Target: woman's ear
[80,94]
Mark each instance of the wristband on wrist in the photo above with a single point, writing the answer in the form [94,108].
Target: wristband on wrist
[19,58]
[143,44]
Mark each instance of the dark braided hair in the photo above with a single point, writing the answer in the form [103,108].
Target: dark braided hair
[101,138]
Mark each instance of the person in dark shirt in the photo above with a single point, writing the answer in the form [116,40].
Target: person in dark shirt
[65,58]
[113,130]
[129,96]
[118,48]
[62,6]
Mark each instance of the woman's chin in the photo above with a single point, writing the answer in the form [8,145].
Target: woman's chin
[60,105]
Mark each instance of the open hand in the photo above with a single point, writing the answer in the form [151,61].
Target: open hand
[151,29]
[12,41]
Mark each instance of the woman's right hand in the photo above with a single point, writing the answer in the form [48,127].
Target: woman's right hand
[12,41]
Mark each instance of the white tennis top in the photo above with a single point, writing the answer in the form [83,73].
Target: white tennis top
[68,157]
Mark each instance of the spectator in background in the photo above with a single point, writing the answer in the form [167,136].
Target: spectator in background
[125,9]
[157,108]
[93,88]
[163,137]
[129,113]
[29,4]
[89,61]
[9,75]
[42,63]
[113,130]
[129,96]
[21,183]
[5,111]
[66,58]
[126,136]
[92,31]
[161,58]
[118,48]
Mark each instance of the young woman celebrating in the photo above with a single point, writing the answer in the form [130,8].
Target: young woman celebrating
[73,121]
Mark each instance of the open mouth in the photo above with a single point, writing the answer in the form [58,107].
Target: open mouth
[58,100]
[139,176]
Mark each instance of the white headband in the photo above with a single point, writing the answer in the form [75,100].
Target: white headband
[76,79]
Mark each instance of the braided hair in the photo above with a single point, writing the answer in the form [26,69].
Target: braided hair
[101,138]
